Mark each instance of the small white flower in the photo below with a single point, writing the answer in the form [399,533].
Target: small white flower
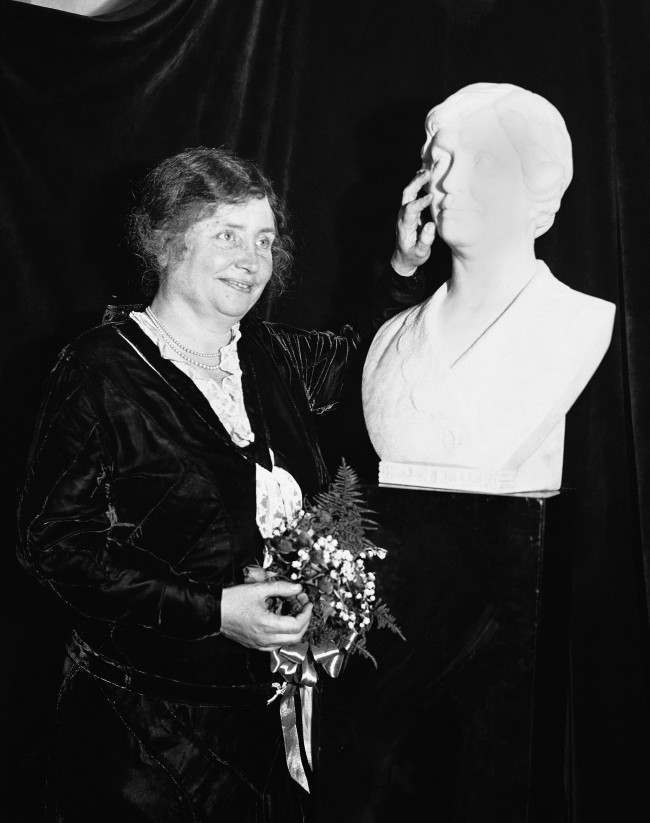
[296,564]
[294,576]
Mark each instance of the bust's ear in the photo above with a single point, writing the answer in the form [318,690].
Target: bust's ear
[544,219]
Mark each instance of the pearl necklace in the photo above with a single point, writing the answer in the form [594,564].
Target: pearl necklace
[183,351]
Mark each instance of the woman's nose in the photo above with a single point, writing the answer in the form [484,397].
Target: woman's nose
[247,258]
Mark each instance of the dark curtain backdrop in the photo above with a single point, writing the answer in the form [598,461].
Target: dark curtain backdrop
[330,97]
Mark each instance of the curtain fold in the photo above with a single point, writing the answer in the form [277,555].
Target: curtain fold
[626,39]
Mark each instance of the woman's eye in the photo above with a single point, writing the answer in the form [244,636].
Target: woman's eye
[265,242]
[226,236]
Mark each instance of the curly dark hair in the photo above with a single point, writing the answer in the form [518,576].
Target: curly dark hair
[186,188]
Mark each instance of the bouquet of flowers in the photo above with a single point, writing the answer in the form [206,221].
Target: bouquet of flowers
[327,551]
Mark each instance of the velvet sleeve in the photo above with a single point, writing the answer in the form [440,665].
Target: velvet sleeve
[318,359]
[321,358]
[391,294]
[70,534]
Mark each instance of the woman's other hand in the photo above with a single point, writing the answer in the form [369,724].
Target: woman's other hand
[245,616]
[413,240]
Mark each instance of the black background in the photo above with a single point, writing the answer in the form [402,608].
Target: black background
[330,97]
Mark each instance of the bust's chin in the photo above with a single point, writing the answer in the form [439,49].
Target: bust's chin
[459,233]
[468,233]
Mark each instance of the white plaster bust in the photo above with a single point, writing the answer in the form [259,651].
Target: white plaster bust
[469,390]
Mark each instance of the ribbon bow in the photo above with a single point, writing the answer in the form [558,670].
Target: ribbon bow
[298,666]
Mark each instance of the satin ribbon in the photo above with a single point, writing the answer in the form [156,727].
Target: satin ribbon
[298,666]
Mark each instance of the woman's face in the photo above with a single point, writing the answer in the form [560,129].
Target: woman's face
[227,261]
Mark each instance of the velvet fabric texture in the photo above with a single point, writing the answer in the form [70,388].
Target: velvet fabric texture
[137,510]
[330,97]
[118,754]
[138,506]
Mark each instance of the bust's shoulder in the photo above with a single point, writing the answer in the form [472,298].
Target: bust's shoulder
[408,321]
[577,306]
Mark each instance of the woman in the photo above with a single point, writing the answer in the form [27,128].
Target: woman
[172,440]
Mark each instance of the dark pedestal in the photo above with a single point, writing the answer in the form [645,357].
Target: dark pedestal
[464,723]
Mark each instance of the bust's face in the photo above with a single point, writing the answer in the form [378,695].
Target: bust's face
[479,195]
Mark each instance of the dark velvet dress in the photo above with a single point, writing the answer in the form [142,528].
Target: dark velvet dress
[137,510]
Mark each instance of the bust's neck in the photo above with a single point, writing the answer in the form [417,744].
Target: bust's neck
[488,276]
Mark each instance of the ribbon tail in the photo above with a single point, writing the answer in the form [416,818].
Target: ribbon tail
[291,742]
[307,702]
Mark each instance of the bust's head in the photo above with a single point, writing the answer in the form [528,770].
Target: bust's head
[501,159]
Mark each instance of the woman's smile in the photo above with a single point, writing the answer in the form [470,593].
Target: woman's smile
[238,285]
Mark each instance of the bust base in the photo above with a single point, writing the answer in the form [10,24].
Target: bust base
[462,479]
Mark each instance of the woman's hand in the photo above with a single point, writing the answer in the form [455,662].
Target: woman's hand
[413,245]
[245,616]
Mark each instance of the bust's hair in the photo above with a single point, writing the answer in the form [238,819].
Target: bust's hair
[188,187]
[536,130]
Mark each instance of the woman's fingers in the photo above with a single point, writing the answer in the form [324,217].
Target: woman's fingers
[413,244]
[246,619]
[286,635]
[409,216]
[426,238]
[289,622]
[279,588]
[410,191]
